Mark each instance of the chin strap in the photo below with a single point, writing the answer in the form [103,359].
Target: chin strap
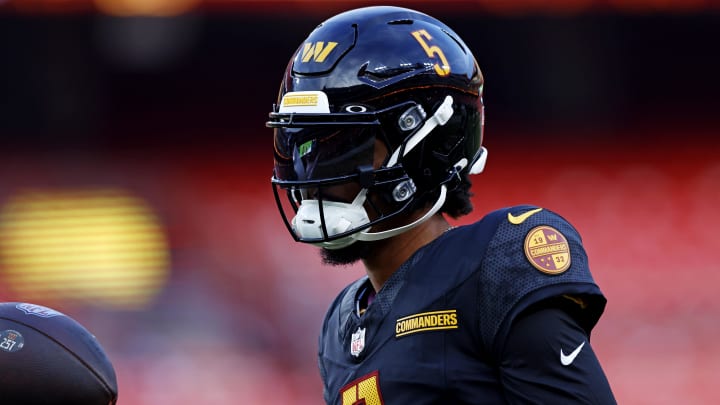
[371,236]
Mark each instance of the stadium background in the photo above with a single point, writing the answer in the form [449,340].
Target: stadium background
[135,172]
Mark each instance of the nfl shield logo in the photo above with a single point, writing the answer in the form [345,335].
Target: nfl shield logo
[357,344]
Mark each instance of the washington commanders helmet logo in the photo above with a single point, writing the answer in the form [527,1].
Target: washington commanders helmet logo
[317,52]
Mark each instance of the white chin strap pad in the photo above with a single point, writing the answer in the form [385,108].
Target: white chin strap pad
[339,218]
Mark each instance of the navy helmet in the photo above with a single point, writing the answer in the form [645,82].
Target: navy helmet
[385,100]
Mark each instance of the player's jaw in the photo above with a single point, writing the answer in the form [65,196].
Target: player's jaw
[348,255]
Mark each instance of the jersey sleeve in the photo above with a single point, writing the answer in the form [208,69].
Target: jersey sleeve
[548,359]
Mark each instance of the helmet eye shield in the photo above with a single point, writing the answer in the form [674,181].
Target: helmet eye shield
[308,154]
[315,146]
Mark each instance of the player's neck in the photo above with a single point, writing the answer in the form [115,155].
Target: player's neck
[388,255]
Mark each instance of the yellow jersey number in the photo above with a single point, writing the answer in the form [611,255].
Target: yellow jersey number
[434,51]
[365,390]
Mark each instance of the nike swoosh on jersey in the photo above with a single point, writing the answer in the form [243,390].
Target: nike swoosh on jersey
[567,360]
[517,220]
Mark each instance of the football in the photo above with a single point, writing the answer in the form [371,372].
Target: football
[48,358]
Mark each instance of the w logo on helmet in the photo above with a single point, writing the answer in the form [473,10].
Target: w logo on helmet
[318,51]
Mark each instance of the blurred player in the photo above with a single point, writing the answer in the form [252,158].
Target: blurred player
[47,358]
[378,125]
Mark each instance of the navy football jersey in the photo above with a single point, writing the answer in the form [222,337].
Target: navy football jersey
[438,331]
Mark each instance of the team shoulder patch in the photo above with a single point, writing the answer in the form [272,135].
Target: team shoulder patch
[547,250]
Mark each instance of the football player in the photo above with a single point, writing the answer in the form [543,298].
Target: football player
[377,128]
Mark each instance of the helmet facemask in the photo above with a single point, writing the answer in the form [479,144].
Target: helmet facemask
[314,161]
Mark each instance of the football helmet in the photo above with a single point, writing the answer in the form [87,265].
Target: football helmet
[385,101]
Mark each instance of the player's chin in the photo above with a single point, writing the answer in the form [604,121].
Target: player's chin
[347,255]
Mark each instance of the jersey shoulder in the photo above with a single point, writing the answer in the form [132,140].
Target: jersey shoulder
[534,254]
